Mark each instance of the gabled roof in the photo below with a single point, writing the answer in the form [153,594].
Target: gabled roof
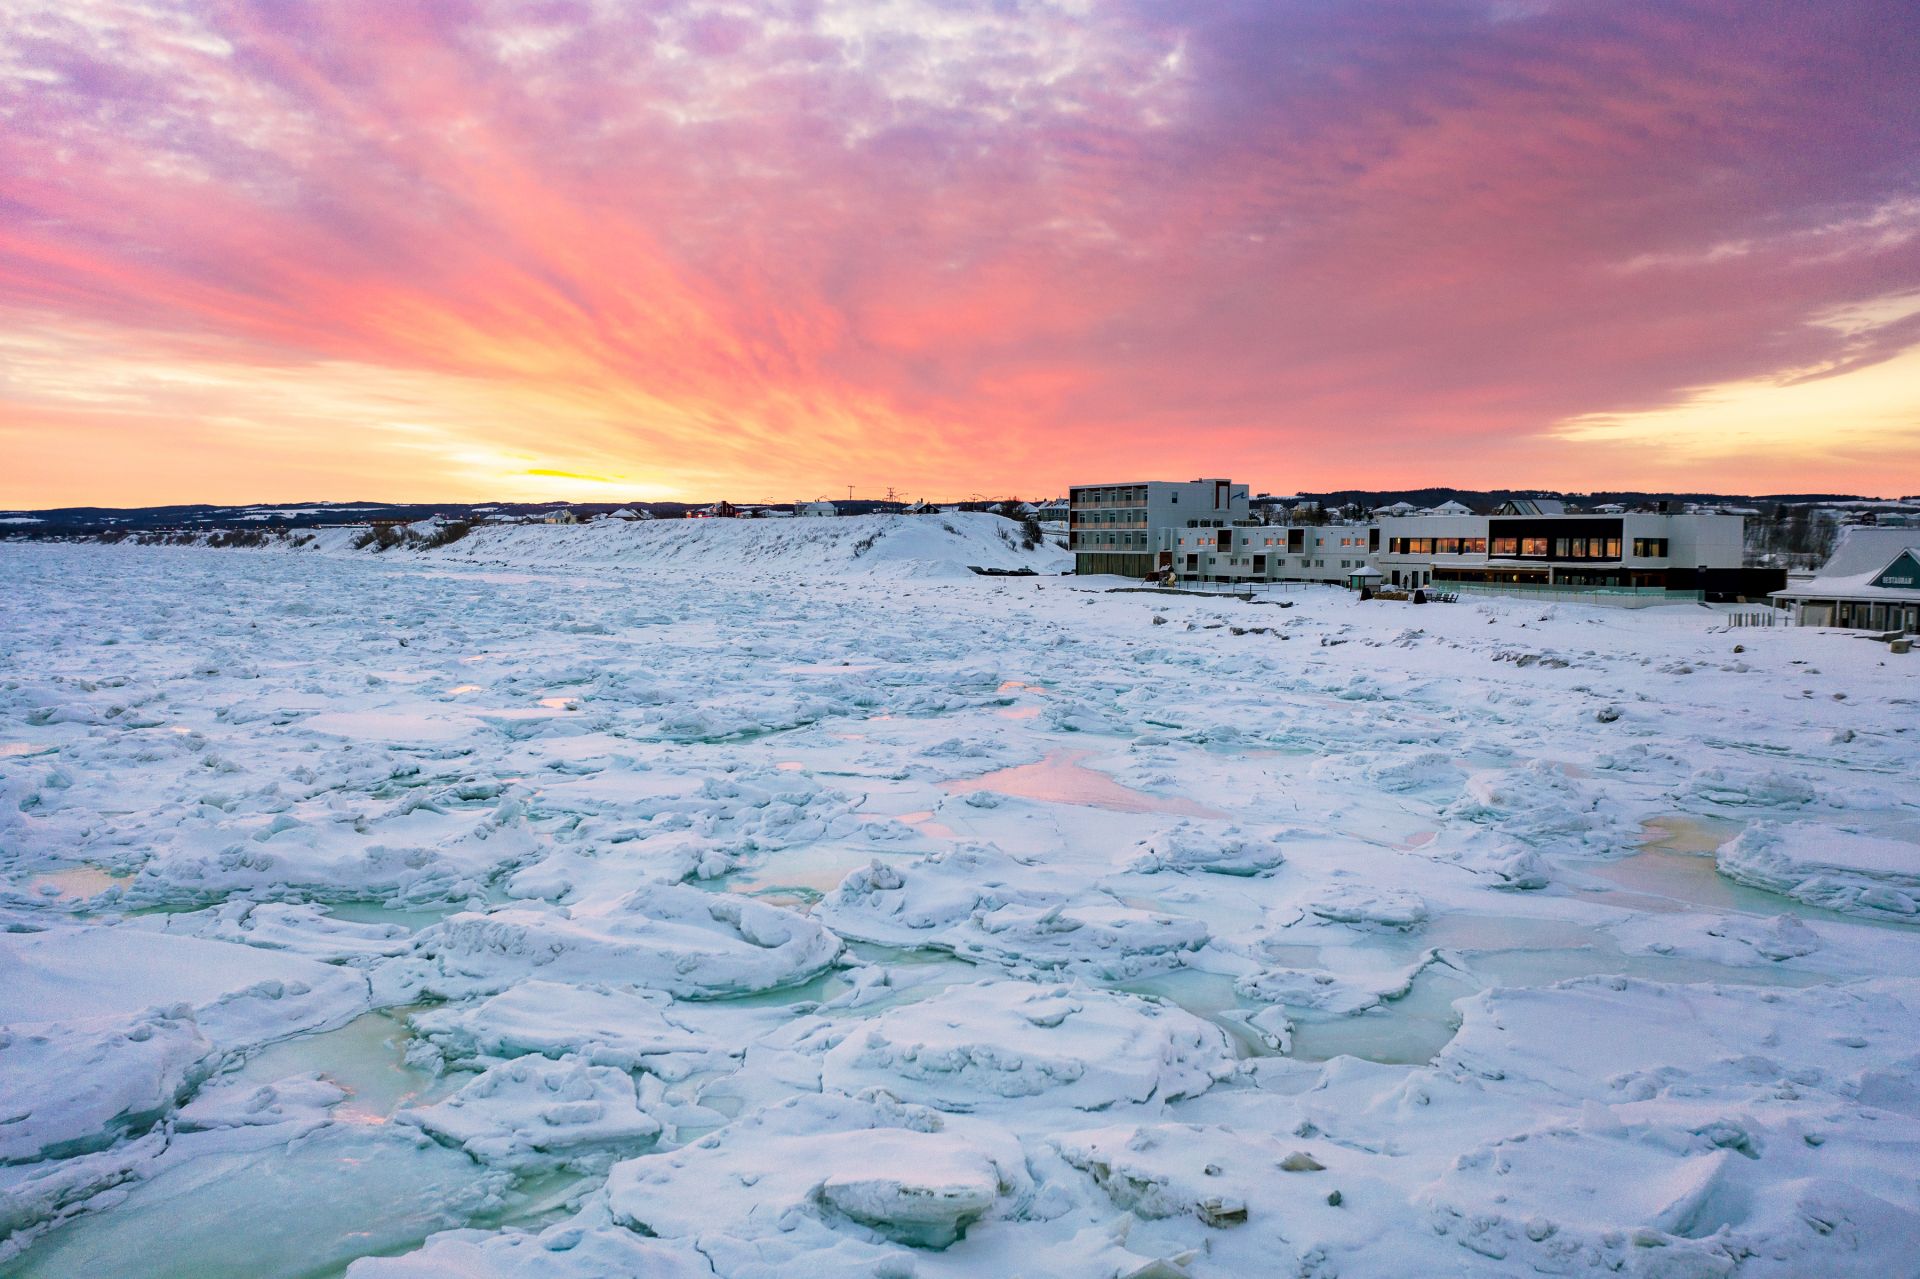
[1897,581]
[1864,548]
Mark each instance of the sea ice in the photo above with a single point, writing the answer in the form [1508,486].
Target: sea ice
[564,1251]
[533,1112]
[606,1027]
[1828,866]
[269,810]
[976,1046]
[792,1175]
[689,943]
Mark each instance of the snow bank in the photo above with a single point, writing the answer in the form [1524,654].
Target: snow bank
[1828,866]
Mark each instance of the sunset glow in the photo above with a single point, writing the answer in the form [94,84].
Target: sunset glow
[465,251]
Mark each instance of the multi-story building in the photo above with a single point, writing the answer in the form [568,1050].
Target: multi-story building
[1647,550]
[1267,552]
[1200,531]
[1113,528]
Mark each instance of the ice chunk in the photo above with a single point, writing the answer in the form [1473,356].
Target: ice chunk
[240,995]
[1619,1038]
[70,1087]
[304,1100]
[690,943]
[1245,1209]
[532,1112]
[800,1169]
[1378,905]
[1537,804]
[251,1203]
[1227,852]
[302,929]
[1746,787]
[602,1026]
[1105,940]
[984,904]
[1828,866]
[564,1251]
[1420,770]
[995,1041]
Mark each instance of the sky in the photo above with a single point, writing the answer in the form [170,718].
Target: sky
[448,250]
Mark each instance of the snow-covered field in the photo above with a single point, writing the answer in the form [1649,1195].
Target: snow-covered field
[582,903]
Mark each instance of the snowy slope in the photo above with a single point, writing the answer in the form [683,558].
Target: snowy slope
[886,546]
[862,545]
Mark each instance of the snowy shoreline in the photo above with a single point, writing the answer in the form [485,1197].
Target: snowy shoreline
[571,902]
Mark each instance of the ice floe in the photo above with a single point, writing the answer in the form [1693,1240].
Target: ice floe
[1827,866]
[975,1046]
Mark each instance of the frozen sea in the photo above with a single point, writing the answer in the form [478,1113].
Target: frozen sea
[791,902]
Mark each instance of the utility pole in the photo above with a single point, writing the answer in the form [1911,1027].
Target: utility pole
[849,492]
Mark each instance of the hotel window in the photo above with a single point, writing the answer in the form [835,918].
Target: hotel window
[1613,548]
[1473,546]
[1654,548]
[1506,546]
[1533,546]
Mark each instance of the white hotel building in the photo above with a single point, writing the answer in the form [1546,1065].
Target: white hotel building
[1199,531]
[1642,550]
[1114,528]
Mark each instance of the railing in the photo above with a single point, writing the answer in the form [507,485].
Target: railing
[1768,617]
[1616,596]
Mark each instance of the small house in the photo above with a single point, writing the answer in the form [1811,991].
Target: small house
[1871,583]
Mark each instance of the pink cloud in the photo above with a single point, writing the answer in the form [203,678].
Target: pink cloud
[987,246]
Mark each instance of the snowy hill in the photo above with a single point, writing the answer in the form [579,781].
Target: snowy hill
[864,545]
[897,546]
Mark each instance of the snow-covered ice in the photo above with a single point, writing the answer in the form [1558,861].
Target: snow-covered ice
[771,898]
[1843,870]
